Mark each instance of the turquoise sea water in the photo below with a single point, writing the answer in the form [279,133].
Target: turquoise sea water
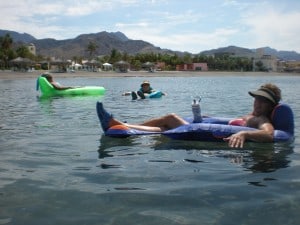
[56,167]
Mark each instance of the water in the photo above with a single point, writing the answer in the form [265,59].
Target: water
[56,167]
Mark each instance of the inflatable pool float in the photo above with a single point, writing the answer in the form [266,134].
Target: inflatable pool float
[155,94]
[48,90]
[215,128]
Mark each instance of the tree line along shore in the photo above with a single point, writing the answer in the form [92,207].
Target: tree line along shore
[35,74]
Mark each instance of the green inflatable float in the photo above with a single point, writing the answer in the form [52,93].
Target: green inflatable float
[48,90]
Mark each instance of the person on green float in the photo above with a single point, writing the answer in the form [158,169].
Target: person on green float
[55,84]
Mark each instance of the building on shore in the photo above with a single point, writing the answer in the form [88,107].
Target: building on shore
[288,66]
[121,66]
[159,66]
[192,67]
[21,64]
[32,49]
[262,61]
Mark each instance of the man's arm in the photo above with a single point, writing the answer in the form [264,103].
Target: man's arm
[264,134]
[58,87]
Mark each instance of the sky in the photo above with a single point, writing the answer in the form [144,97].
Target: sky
[179,25]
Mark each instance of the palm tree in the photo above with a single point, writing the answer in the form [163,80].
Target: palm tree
[6,48]
[6,42]
[115,56]
[91,48]
[24,52]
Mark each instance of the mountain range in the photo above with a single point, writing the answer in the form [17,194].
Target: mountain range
[107,41]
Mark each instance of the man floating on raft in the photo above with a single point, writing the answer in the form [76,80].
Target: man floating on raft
[145,91]
[269,121]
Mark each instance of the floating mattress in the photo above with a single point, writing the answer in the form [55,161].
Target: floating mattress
[215,128]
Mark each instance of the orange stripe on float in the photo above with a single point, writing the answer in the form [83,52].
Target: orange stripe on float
[119,127]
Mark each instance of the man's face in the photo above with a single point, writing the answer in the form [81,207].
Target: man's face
[262,106]
[145,87]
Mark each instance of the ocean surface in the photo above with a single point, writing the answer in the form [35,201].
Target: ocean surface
[57,167]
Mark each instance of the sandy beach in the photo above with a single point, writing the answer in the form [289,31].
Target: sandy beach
[34,74]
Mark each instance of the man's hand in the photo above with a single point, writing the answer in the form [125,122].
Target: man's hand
[236,140]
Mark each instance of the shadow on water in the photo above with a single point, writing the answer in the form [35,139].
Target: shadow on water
[49,104]
[254,157]
[48,99]
[118,147]
[268,158]
[109,145]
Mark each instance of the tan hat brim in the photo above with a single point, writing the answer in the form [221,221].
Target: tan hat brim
[262,93]
[145,83]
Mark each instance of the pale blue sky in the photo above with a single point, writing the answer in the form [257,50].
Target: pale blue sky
[184,25]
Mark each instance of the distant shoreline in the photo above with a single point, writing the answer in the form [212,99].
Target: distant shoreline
[28,75]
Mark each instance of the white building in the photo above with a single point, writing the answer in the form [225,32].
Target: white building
[269,61]
[32,49]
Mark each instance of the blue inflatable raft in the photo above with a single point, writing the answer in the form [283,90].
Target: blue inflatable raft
[215,128]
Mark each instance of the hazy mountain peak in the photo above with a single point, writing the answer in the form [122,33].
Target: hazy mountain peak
[18,37]
[120,35]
